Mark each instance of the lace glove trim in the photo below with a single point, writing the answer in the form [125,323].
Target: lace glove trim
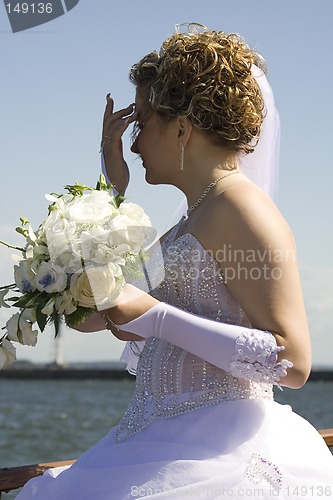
[255,358]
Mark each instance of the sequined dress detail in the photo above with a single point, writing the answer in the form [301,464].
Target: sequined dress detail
[169,380]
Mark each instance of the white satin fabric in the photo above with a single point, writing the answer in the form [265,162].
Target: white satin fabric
[209,453]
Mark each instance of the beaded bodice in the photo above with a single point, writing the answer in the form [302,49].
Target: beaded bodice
[171,381]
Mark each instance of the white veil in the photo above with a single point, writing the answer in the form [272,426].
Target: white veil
[261,166]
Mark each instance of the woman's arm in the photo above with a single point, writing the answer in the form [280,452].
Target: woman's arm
[257,254]
[256,251]
[244,352]
[96,323]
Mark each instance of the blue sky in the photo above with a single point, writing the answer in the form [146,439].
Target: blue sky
[54,79]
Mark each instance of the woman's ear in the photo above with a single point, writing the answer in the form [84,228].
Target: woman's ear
[184,129]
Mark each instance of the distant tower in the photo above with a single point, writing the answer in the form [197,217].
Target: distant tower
[58,348]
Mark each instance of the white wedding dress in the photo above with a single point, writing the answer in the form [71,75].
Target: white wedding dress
[192,430]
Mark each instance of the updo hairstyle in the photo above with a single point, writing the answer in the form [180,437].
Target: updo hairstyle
[206,77]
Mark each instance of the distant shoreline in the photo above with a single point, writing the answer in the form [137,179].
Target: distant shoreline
[116,372]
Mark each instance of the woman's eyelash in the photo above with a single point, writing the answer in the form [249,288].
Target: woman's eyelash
[137,127]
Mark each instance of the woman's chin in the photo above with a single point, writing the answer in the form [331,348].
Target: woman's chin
[150,178]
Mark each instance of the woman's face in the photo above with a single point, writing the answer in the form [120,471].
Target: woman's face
[157,145]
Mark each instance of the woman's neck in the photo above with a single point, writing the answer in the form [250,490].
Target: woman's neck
[201,173]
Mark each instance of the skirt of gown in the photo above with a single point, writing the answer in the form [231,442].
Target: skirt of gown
[250,448]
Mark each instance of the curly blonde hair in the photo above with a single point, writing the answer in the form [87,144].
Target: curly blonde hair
[206,77]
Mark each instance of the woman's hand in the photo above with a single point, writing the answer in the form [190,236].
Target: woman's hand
[114,125]
[129,305]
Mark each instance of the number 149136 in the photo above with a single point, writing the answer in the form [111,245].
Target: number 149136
[29,8]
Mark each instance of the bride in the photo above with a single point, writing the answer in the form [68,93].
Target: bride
[223,319]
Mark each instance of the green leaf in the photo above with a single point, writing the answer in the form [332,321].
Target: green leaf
[101,183]
[57,322]
[78,316]
[77,189]
[31,299]
[22,231]
[24,221]
[119,199]
[40,317]
[135,265]
[12,299]
[19,334]
[23,301]
[51,208]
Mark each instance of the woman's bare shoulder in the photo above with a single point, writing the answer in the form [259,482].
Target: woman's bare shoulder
[244,215]
[246,208]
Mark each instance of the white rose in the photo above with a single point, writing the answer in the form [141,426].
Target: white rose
[50,278]
[59,236]
[70,263]
[24,276]
[20,330]
[106,254]
[89,242]
[96,206]
[97,249]
[135,212]
[97,286]
[125,231]
[7,353]
[131,226]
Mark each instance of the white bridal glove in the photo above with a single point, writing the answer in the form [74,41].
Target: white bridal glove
[244,352]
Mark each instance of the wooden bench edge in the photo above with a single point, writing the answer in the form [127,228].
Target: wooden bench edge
[12,478]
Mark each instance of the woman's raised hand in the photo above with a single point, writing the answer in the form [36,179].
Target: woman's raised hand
[114,125]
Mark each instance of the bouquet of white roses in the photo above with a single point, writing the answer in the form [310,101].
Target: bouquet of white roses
[75,263]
